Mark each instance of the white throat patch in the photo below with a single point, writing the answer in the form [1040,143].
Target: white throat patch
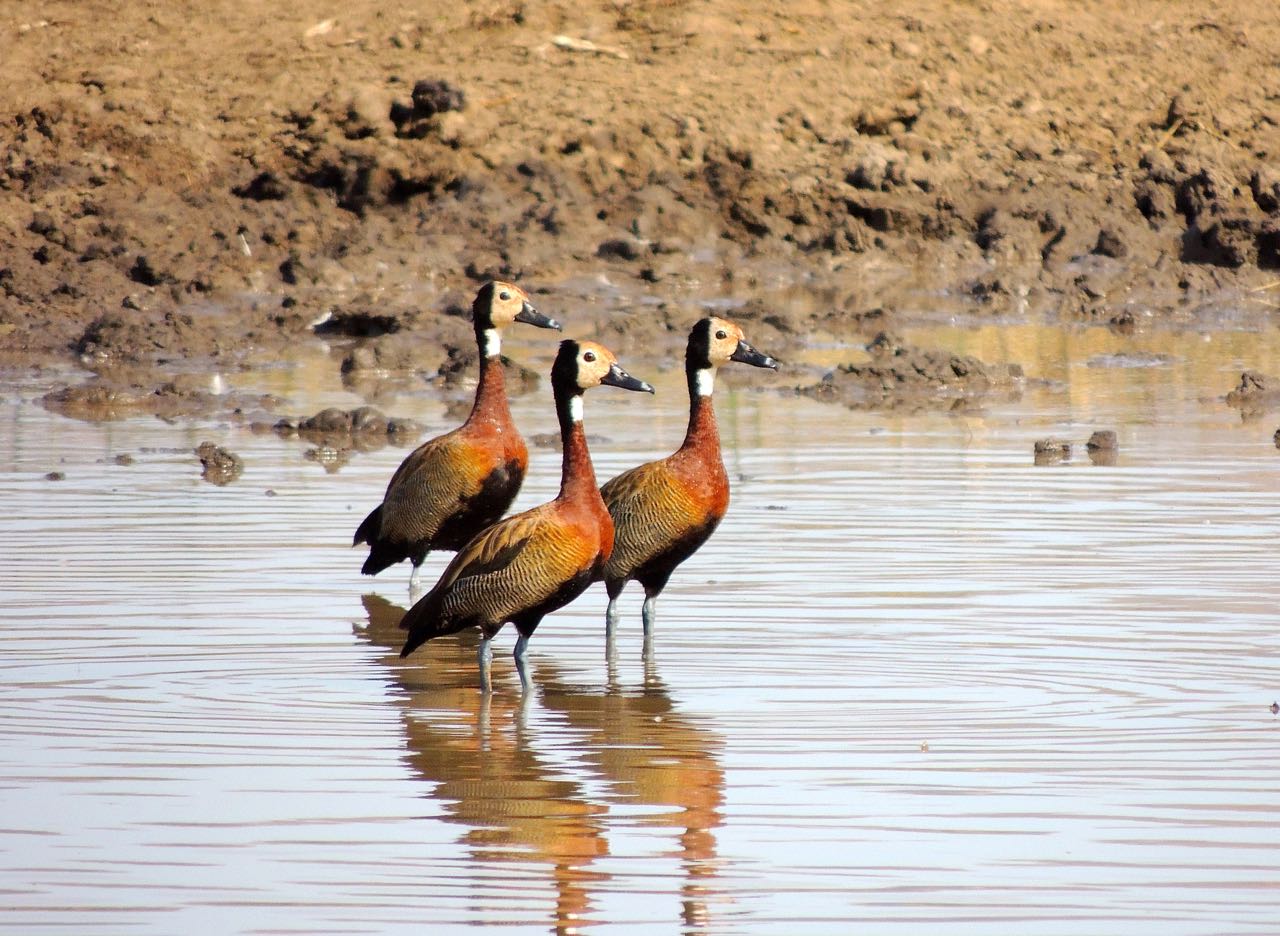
[704,381]
[575,407]
[491,342]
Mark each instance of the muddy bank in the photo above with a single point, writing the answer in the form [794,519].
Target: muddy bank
[167,196]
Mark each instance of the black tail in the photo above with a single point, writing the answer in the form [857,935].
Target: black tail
[382,554]
[425,621]
[367,531]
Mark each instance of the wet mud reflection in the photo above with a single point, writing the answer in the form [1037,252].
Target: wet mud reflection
[496,760]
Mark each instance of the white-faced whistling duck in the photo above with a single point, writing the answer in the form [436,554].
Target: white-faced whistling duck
[455,485]
[530,564]
[664,510]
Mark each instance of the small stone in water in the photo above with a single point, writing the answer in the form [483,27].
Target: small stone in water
[1102,439]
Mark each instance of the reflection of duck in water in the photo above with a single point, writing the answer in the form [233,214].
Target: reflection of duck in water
[482,752]
[474,748]
[652,755]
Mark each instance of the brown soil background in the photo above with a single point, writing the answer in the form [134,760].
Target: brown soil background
[205,180]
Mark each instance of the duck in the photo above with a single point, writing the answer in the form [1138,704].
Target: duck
[532,563]
[664,510]
[453,486]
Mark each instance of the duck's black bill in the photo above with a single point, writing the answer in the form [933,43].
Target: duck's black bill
[746,354]
[531,316]
[617,377]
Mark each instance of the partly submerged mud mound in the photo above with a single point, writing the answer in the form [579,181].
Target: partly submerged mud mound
[129,393]
[900,375]
[1255,394]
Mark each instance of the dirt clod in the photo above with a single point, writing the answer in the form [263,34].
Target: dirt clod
[218,465]
[1051,451]
[336,433]
[1255,393]
[1110,245]
[1102,439]
[1103,447]
[265,186]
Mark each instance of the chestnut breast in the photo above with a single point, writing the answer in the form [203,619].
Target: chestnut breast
[663,505]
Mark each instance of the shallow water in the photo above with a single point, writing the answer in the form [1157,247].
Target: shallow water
[914,684]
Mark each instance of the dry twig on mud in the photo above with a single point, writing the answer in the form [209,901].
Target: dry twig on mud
[570,44]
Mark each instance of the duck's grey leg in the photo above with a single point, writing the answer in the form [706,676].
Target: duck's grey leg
[649,612]
[610,621]
[522,644]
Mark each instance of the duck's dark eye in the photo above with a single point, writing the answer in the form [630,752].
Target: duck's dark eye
[504,295]
[722,334]
[589,356]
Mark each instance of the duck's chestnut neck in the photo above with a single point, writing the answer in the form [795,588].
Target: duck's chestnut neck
[702,432]
[491,393]
[577,474]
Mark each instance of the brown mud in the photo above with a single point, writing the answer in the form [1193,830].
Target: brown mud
[189,182]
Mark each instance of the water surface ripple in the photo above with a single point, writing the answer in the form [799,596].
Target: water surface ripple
[914,684]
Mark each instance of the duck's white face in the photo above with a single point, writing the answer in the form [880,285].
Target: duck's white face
[594,363]
[723,338]
[505,304]
[508,300]
[722,341]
